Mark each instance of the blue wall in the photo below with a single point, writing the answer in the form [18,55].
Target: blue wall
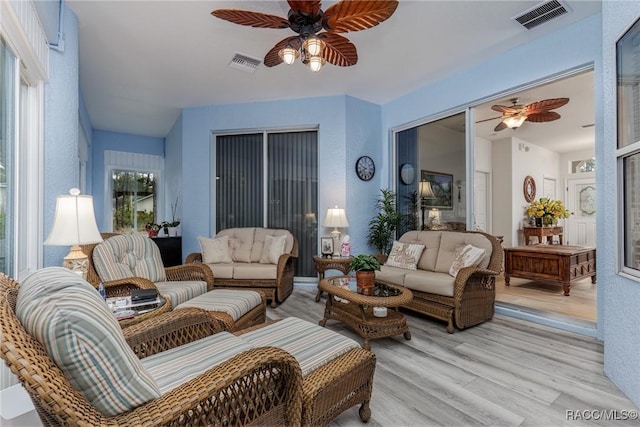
[173,169]
[61,105]
[104,140]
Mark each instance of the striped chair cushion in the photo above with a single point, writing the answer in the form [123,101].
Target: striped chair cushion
[178,365]
[233,302]
[128,255]
[313,346]
[178,292]
[67,316]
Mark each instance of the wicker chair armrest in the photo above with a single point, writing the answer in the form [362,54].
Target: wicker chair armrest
[268,377]
[465,275]
[169,330]
[123,287]
[193,257]
[187,272]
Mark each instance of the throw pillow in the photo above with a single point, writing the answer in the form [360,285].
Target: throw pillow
[404,255]
[272,249]
[468,256]
[215,251]
[79,332]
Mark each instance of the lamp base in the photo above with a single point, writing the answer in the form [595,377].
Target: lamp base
[77,261]
[335,235]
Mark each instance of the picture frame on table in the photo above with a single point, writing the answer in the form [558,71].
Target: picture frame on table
[326,246]
[442,186]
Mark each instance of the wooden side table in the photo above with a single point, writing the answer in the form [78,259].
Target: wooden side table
[342,264]
[541,232]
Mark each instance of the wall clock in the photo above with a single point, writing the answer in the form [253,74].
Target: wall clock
[365,168]
[407,173]
[529,189]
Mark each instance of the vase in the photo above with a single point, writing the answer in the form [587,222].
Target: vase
[365,281]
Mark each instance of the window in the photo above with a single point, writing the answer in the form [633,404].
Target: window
[583,166]
[7,165]
[134,201]
[628,152]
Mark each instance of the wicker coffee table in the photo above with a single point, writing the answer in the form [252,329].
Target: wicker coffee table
[356,310]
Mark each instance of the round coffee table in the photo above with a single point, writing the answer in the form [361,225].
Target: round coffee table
[355,310]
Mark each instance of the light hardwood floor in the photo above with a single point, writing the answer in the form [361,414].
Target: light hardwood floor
[505,372]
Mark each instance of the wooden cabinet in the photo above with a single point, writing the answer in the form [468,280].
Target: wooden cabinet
[170,250]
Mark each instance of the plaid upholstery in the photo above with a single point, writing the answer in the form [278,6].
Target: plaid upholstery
[68,317]
[233,302]
[313,346]
[128,255]
[180,291]
[181,364]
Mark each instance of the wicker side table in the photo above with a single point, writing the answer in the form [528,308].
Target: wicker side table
[357,311]
[341,264]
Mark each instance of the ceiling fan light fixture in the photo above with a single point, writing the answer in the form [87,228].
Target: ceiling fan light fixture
[288,55]
[315,63]
[514,122]
[313,45]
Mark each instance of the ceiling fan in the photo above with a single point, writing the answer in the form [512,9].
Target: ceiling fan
[514,115]
[317,38]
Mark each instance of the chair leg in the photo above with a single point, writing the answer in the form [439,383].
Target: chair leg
[365,411]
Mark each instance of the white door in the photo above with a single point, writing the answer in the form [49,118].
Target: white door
[580,228]
[481,202]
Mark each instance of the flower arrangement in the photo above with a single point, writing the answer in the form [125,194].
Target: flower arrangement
[549,210]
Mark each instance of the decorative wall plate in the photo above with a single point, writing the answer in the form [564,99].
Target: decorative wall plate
[407,173]
[529,189]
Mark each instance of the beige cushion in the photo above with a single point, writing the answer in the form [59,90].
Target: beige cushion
[450,245]
[404,255]
[215,251]
[240,242]
[128,255]
[272,249]
[430,282]
[260,236]
[468,256]
[393,275]
[431,240]
[221,271]
[255,271]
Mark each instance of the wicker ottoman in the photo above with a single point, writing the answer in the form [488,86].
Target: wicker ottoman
[236,309]
[331,384]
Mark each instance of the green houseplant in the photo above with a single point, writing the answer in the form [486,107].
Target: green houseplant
[365,267]
[383,226]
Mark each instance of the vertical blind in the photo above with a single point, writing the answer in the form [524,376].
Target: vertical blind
[290,203]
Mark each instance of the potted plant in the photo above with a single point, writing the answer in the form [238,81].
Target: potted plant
[365,267]
[152,229]
[171,228]
[385,223]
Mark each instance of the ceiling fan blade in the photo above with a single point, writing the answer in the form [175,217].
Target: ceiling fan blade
[507,110]
[546,116]
[251,19]
[305,7]
[272,58]
[545,105]
[501,125]
[338,50]
[492,118]
[356,15]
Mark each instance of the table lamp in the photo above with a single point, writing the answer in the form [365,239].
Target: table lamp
[336,217]
[425,192]
[74,224]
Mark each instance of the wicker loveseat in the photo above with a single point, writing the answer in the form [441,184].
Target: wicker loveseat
[245,266]
[463,300]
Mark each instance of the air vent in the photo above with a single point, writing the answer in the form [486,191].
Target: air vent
[540,14]
[244,63]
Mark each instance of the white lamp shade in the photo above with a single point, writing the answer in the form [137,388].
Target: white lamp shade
[74,222]
[288,55]
[514,122]
[315,63]
[313,45]
[426,192]
[336,217]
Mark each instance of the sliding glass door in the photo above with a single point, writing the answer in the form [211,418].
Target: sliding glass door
[270,180]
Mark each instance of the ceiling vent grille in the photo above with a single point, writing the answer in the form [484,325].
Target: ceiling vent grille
[244,63]
[540,14]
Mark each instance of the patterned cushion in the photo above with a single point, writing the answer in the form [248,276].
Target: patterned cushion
[233,302]
[178,365]
[179,292]
[313,346]
[272,249]
[404,255]
[468,256]
[68,317]
[128,255]
[260,236]
[215,251]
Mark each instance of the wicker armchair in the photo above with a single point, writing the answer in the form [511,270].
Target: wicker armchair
[261,386]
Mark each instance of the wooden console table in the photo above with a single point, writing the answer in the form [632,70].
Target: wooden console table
[170,250]
[551,263]
[541,232]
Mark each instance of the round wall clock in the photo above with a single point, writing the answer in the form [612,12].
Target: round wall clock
[407,173]
[365,168]
[529,188]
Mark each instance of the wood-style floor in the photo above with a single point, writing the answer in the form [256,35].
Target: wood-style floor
[505,372]
[544,296]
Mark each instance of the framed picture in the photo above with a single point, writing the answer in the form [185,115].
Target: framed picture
[442,186]
[326,246]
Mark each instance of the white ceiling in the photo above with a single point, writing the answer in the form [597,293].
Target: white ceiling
[141,62]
